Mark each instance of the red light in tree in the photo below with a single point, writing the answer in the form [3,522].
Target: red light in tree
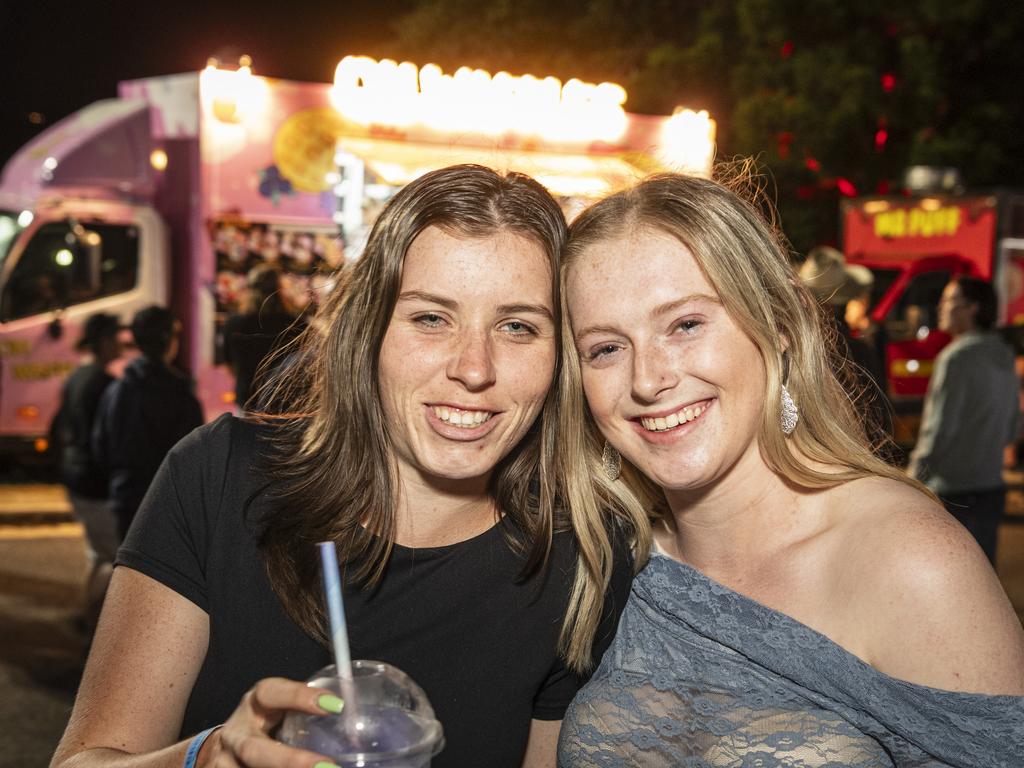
[888,82]
[883,187]
[787,49]
[812,164]
[785,138]
[881,136]
[805,192]
[845,187]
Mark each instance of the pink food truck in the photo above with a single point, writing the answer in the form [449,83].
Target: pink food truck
[173,191]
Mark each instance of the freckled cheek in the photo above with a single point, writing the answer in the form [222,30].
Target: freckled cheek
[529,379]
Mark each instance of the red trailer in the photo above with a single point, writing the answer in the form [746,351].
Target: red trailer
[913,246]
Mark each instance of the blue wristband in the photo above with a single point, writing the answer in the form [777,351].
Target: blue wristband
[195,745]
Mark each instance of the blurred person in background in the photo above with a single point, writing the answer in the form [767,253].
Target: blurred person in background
[971,413]
[80,473]
[143,414]
[845,291]
[252,337]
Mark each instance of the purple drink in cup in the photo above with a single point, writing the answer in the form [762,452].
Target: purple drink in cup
[387,721]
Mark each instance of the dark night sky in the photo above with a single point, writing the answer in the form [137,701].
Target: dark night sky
[58,56]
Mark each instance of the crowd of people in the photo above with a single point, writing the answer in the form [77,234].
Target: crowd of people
[614,493]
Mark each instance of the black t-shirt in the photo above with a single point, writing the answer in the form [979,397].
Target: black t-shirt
[479,641]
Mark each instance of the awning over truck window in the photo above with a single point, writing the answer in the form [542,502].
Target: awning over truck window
[105,145]
[398,163]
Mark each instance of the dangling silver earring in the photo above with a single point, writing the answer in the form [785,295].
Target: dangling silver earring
[611,461]
[790,414]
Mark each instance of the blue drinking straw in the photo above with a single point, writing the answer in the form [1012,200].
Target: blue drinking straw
[335,609]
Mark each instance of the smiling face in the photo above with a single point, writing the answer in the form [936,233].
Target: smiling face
[672,382]
[469,353]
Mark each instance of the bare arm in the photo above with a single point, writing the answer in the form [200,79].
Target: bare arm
[145,658]
[542,746]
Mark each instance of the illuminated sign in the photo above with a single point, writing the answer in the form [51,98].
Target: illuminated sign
[918,222]
[385,92]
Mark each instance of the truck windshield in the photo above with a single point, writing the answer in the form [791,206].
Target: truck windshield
[9,229]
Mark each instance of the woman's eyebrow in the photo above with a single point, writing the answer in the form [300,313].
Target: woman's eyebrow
[522,309]
[432,298]
[671,306]
[504,309]
[662,309]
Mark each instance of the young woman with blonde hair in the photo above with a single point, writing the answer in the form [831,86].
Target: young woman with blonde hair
[807,604]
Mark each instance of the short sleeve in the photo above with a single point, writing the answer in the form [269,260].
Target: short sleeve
[561,684]
[170,536]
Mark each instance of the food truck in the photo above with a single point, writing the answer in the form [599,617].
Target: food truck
[913,246]
[173,191]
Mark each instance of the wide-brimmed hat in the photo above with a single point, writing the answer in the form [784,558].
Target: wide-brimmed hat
[98,327]
[832,281]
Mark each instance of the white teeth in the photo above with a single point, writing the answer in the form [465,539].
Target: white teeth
[457,418]
[660,424]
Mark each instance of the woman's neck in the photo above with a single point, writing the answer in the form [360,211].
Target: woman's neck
[746,518]
[434,513]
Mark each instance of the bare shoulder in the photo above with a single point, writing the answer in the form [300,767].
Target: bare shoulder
[929,608]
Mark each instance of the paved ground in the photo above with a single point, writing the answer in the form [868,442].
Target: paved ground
[42,568]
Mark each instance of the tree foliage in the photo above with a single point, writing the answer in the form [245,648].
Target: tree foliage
[831,97]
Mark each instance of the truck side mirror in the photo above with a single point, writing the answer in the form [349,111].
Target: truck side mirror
[55,328]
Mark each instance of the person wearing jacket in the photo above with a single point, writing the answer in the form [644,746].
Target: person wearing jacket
[143,414]
[86,483]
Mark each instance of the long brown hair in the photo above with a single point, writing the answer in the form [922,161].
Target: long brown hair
[743,256]
[332,468]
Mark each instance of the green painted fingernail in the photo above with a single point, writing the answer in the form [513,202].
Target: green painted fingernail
[325,764]
[329,703]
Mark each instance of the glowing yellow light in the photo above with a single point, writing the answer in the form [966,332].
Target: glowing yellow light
[28,412]
[385,92]
[158,159]
[25,218]
[876,206]
[41,444]
[63,257]
[931,204]
[232,96]
[688,141]
[92,238]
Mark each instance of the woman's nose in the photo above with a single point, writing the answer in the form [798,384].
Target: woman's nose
[653,373]
[472,363]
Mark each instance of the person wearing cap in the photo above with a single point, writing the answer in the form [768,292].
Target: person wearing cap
[144,413]
[838,285]
[85,481]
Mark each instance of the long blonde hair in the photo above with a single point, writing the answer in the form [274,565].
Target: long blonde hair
[743,257]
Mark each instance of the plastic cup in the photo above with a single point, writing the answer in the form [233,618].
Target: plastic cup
[387,721]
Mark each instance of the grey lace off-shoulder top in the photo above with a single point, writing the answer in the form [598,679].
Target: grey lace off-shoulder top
[702,677]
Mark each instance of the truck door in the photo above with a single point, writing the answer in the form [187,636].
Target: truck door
[59,272]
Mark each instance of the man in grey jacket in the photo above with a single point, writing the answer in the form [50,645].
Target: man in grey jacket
[971,413]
